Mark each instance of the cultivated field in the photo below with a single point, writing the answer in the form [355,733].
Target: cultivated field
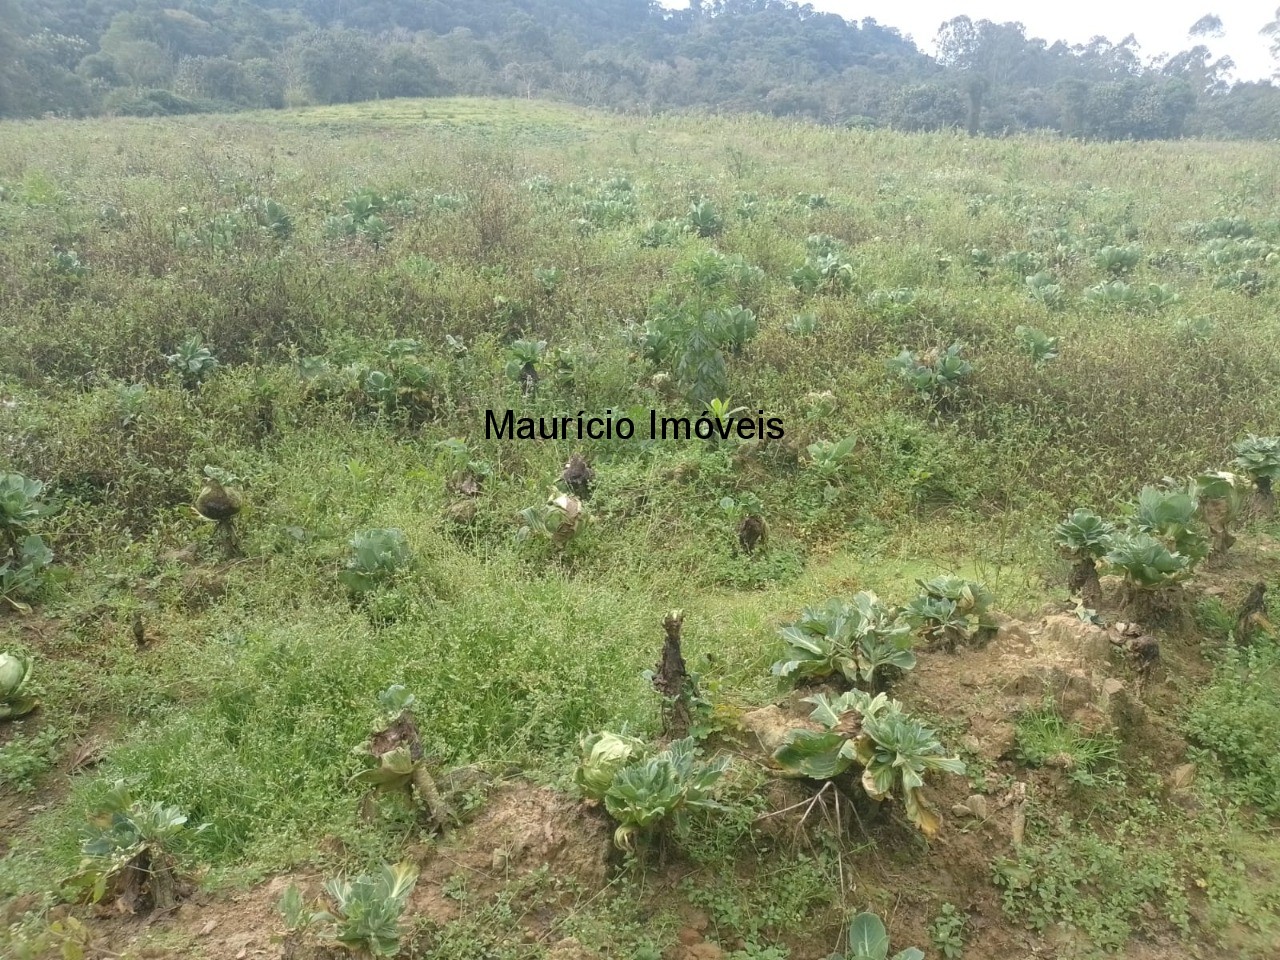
[297,322]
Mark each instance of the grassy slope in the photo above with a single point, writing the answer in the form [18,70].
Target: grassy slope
[261,676]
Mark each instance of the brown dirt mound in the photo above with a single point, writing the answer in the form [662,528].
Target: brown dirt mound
[521,828]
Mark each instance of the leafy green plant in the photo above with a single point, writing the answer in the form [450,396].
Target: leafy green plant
[559,520]
[20,507]
[524,358]
[649,795]
[130,401]
[23,555]
[654,796]
[868,940]
[1151,573]
[66,266]
[1021,262]
[396,380]
[364,913]
[377,556]
[947,931]
[1173,517]
[829,272]
[857,640]
[937,376]
[1249,281]
[15,672]
[1117,260]
[1220,505]
[193,362]
[271,216]
[548,278]
[894,750]
[1259,459]
[803,324]
[24,758]
[737,327]
[603,755]
[1085,538]
[1043,289]
[704,219]
[362,214]
[662,233]
[1117,293]
[130,853]
[951,609]
[895,305]
[1145,562]
[827,458]
[21,572]
[1040,345]
[401,767]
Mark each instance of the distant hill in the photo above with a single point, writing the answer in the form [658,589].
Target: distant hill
[79,57]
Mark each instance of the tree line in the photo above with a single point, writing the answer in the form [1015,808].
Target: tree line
[149,57]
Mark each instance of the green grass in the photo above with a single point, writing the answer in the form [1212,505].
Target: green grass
[261,675]
[1046,739]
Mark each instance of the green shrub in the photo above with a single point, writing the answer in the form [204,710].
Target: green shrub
[1237,718]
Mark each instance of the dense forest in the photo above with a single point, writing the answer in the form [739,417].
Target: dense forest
[149,57]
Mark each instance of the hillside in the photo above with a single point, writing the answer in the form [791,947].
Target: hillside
[308,314]
[147,58]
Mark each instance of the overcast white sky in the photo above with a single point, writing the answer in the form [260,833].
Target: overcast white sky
[1160,25]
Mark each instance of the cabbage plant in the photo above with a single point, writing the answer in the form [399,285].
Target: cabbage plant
[20,507]
[1042,288]
[827,458]
[525,356]
[603,755]
[704,219]
[651,798]
[21,574]
[1259,459]
[559,520]
[647,794]
[894,751]
[937,376]
[1039,344]
[1085,538]
[193,362]
[23,554]
[364,913]
[130,853]
[1151,572]
[950,610]
[376,557]
[15,698]
[1220,505]
[868,940]
[1117,260]
[400,762]
[857,640]
[1173,517]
